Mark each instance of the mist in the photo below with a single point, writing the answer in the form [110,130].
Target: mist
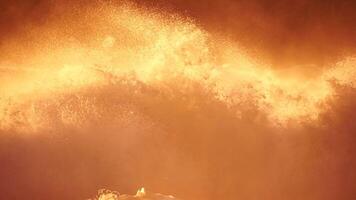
[197,99]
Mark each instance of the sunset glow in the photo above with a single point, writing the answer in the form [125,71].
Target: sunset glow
[119,95]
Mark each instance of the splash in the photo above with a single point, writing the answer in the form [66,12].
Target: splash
[141,194]
[128,48]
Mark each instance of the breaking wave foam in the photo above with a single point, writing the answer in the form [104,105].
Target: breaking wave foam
[142,52]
